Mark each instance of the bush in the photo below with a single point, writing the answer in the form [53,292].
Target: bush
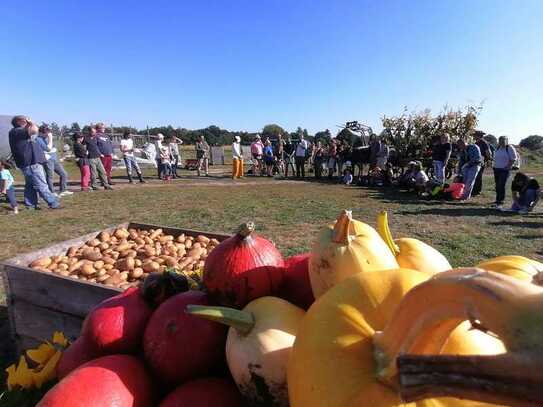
[533,142]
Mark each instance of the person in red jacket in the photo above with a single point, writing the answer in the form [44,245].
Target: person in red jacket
[106,149]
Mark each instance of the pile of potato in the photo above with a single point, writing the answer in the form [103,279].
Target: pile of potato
[122,258]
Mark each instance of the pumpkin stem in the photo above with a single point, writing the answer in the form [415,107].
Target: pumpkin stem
[343,227]
[242,321]
[384,231]
[246,229]
[427,315]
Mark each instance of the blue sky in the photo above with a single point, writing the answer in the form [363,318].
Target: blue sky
[243,64]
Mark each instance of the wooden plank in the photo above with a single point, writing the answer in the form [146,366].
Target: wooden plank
[55,292]
[40,323]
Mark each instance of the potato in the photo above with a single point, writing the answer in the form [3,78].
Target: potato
[130,253]
[151,266]
[108,251]
[114,255]
[136,273]
[102,272]
[169,261]
[87,270]
[102,278]
[76,266]
[104,236]
[181,238]
[103,246]
[148,240]
[138,262]
[123,275]
[72,260]
[98,264]
[200,264]
[214,242]
[150,252]
[62,267]
[144,276]
[42,262]
[112,272]
[64,273]
[125,264]
[156,233]
[188,243]
[108,266]
[93,243]
[113,280]
[121,233]
[132,234]
[139,241]
[108,260]
[92,255]
[52,266]
[196,252]
[123,247]
[196,245]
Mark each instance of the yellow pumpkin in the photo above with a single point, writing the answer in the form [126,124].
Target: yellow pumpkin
[332,361]
[412,253]
[346,248]
[519,267]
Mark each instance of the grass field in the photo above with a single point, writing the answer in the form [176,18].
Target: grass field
[288,212]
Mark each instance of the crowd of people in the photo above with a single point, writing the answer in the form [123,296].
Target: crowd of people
[34,153]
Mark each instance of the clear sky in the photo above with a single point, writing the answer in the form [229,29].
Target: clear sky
[241,64]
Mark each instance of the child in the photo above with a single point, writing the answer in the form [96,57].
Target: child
[6,185]
[347,176]
[81,154]
[420,178]
[166,163]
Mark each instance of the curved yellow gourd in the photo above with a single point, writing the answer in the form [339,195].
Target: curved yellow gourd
[346,248]
[332,361]
[412,253]
[519,267]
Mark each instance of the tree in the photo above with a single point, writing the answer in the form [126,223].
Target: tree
[324,136]
[491,139]
[272,130]
[74,127]
[533,142]
[55,129]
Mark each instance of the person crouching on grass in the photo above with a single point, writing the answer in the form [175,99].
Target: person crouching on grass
[6,186]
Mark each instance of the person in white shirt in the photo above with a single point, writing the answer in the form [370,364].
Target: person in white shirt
[158,145]
[237,158]
[176,157]
[421,178]
[505,158]
[127,149]
[300,156]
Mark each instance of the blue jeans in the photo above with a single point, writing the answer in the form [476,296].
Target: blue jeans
[469,174]
[51,167]
[131,164]
[501,175]
[36,184]
[10,194]
[439,170]
[525,200]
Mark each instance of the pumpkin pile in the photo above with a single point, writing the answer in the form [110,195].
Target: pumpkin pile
[124,258]
[392,323]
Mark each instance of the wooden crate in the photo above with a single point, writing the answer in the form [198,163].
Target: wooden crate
[40,303]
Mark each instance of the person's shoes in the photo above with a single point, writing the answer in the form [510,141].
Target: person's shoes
[95,188]
[108,187]
[66,193]
[142,181]
[523,212]
[130,181]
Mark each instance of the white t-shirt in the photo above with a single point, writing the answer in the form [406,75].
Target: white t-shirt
[421,178]
[174,148]
[301,148]
[127,144]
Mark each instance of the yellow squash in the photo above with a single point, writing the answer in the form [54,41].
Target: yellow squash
[412,253]
[346,248]
[519,267]
[332,363]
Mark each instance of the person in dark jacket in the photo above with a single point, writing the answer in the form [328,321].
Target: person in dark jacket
[469,163]
[30,158]
[95,163]
[82,156]
[106,149]
[486,154]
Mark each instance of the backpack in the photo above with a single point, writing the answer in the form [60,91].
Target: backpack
[516,163]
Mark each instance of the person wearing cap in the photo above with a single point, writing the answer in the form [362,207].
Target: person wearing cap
[29,158]
[82,156]
[52,165]
[106,149]
[127,149]
[257,151]
[237,158]
[95,163]
[202,154]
